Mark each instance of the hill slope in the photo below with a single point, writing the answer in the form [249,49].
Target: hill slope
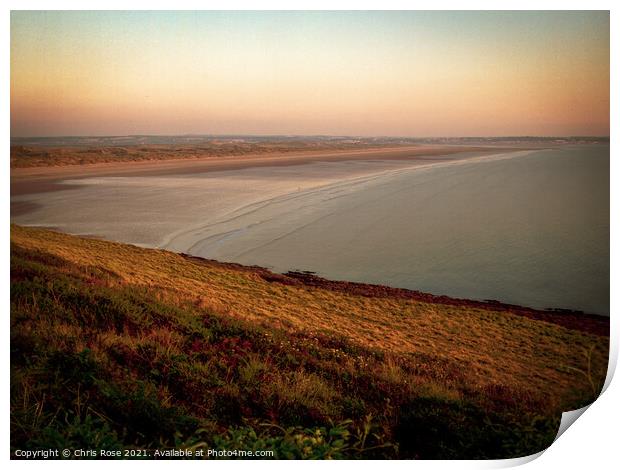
[115,346]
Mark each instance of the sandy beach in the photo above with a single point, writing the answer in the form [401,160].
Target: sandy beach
[44,179]
[151,203]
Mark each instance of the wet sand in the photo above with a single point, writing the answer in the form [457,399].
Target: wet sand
[160,203]
[48,179]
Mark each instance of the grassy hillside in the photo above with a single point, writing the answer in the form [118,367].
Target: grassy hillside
[115,346]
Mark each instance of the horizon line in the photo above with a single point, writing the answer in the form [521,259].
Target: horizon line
[549,136]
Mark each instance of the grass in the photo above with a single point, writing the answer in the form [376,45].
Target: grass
[28,157]
[115,346]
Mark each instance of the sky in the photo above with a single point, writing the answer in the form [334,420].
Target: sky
[418,74]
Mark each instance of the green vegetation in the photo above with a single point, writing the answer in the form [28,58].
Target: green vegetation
[115,347]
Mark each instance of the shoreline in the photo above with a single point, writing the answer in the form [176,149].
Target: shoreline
[571,319]
[32,180]
[170,241]
[592,323]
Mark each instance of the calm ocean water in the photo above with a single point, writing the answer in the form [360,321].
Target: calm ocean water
[531,230]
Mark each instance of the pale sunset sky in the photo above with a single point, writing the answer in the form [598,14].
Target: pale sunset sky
[337,73]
